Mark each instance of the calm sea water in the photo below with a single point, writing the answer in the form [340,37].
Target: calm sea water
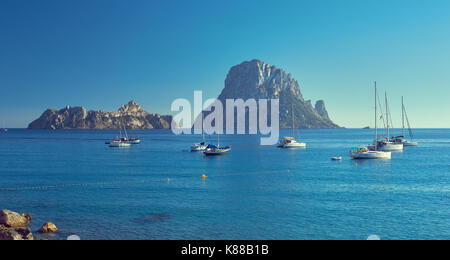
[72,179]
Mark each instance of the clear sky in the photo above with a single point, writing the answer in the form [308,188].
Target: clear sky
[103,53]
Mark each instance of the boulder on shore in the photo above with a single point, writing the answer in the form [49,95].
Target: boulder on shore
[11,219]
[48,227]
[16,234]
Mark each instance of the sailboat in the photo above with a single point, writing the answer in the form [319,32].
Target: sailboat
[363,152]
[212,150]
[401,139]
[289,142]
[386,144]
[131,140]
[200,147]
[120,141]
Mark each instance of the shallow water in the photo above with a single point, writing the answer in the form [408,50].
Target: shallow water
[72,179]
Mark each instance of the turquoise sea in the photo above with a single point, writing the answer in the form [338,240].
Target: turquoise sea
[256,192]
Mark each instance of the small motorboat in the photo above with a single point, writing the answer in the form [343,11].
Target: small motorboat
[213,150]
[336,158]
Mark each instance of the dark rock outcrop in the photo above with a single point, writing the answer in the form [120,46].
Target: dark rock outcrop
[131,115]
[258,80]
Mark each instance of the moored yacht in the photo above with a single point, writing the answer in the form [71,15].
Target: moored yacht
[212,150]
[364,152]
[401,139]
[386,144]
[120,139]
[118,144]
[289,142]
[200,147]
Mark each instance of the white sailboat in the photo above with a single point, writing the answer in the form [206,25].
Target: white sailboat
[200,147]
[401,139]
[212,150]
[120,141]
[386,144]
[363,152]
[289,142]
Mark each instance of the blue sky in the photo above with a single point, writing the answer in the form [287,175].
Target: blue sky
[103,53]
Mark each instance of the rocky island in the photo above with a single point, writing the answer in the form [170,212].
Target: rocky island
[258,80]
[131,115]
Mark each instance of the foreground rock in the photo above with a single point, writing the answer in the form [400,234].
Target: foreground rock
[131,115]
[16,233]
[14,226]
[48,228]
[11,219]
[27,216]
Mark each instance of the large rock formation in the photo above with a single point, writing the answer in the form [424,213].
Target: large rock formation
[12,219]
[258,80]
[131,115]
[14,226]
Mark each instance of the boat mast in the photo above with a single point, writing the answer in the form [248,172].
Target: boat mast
[218,134]
[125,130]
[403,119]
[120,129]
[292,120]
[387,118]
[376,119]
[203,132]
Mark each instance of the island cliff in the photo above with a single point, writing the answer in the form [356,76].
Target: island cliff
[131,115]
[258,80]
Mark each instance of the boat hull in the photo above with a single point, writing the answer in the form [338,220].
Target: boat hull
[198,148]
[387,147]
[370,155]
[216,152]
[294,145]
[119,145]
[407,143]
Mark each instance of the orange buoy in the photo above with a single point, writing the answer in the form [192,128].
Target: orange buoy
[204,176]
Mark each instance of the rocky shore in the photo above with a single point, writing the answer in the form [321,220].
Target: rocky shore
[14,226]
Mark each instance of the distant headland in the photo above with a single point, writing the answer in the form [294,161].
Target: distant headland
[131,115]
